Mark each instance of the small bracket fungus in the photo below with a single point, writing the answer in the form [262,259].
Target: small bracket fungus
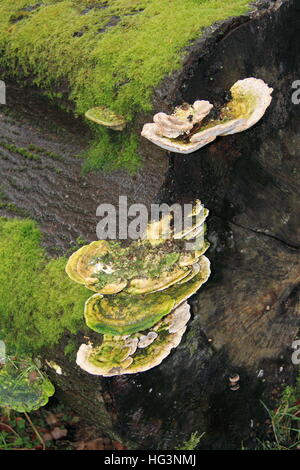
[107,118]
[146,340]
[141,291]
[186,132]
[23,387]
[159,230]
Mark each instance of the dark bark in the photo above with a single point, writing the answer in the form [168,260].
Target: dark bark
[246,317]
[54,191]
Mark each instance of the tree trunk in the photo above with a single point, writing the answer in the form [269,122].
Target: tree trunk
[247,315]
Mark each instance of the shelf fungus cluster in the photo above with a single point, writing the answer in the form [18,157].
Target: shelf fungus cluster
[140,306]
[191,127]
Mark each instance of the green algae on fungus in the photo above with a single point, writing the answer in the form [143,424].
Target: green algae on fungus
[179,133]
[107,268]
[124,314]
[183,290]
[23,387]
[38,303]
[105,117]
[139,352]
[71,42]
[165,280]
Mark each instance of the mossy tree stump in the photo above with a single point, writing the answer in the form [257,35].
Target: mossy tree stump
[247,316]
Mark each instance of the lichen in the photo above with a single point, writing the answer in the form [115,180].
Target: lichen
[62,44]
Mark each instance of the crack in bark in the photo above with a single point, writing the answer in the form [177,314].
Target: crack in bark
[260,232]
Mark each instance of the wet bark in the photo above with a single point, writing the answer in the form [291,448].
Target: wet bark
[53,189]
[247,316]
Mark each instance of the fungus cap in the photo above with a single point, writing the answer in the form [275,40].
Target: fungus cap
[82,267]
[127,314]
[165,280]
[250,99]
[107,268]
[159,230]
[111,358]
[107,118]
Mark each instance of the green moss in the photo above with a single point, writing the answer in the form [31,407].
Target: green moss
[10,206]
[192,442]
[111,152]
[32,152]
[42,151]
[110,56]
[13,209]
[38,302]
[20,151]
[70,350]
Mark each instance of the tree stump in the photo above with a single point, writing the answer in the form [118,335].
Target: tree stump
[247,315]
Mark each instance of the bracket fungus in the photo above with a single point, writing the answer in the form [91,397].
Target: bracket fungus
[23,387]
[116,356]
[141,292]
[183,119]
[186,131]
[107,118]
[145,266]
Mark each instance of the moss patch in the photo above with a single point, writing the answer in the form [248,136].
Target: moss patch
[38,302]
[110,53]
[10,207]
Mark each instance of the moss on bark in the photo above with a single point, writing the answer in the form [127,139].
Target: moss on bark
[104,53]
[38,302]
